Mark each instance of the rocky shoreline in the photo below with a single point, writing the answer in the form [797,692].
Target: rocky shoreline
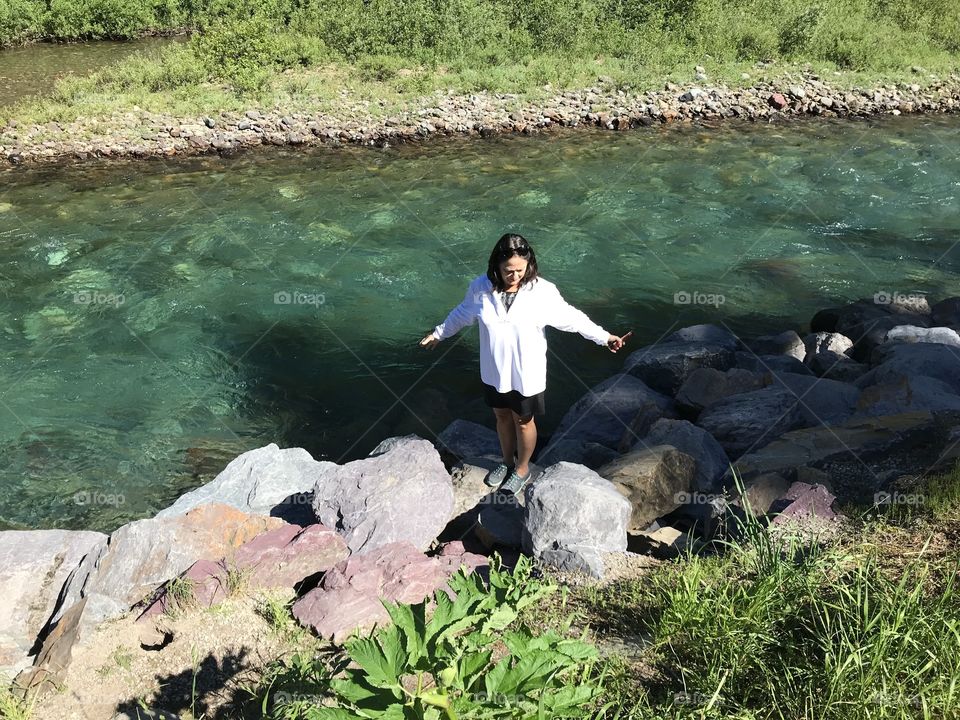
[668,454]
[141,134]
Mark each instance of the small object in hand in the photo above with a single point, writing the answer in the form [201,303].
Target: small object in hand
[624,338]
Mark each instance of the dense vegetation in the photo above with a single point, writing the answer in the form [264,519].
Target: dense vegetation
[861,627]
[495,44]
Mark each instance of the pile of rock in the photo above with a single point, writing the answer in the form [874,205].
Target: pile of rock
[644,461]
[138,134]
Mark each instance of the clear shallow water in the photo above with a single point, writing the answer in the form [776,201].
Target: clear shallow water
[144,343]
[33,69]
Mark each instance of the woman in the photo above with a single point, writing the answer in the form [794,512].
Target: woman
[514,305]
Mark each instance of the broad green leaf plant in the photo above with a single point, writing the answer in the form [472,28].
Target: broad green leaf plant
[470,657]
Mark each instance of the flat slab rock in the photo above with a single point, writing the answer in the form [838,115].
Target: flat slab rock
[277,558]
[348,599]
[144,554]
[34,566]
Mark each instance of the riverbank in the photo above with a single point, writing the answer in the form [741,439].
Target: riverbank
[138,133]
[808,485]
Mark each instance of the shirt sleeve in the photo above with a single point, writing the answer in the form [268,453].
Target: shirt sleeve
[460,317]
[563,316]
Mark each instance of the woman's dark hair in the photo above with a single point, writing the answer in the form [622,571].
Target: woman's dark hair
[508,246]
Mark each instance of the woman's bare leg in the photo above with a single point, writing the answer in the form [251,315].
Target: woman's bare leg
[526,430]
[507,432]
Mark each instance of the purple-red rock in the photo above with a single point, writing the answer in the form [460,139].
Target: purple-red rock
[778,101]
[349,597]
[281,557]
[805,506]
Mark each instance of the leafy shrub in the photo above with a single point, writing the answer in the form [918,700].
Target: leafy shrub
[18,20]
[756,45]
[240,51]
[798,33]
[442,664]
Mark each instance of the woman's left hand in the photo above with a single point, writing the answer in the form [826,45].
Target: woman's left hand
[614,343]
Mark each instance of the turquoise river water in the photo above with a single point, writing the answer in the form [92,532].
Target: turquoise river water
[158,318]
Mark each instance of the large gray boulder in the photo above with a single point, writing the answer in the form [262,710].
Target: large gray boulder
[914,334]
[821,401]
[265,481]
[602,414]
[573,517]
[706,386]
[645,418]
[464,439]
[906,394]
[931,359]
[748,421]
[34,566]
[402,495]
[711,461]
[786,343]
[828,355]
[665,365]
[946,313]
[820,342]
[655,480]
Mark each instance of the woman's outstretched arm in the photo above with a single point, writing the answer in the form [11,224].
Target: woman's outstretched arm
[564,316]
[460,317]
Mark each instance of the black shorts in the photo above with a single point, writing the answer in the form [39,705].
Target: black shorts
[522,405]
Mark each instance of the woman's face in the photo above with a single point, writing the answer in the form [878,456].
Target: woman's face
[513,270]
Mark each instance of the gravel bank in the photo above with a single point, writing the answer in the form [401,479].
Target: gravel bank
[140,134]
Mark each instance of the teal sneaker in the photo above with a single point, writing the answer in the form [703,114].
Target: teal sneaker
[515,483]
[496,476]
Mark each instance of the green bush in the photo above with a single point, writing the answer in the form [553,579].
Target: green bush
[470,657]
[18,20]
[240,51]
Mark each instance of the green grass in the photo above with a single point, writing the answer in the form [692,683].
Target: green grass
[865,626]
[13,706]
[302,55]
[179,596]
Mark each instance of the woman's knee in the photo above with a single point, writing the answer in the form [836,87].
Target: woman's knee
[503,414]
[522,420]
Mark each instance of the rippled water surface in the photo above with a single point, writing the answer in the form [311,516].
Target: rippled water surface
[159,318]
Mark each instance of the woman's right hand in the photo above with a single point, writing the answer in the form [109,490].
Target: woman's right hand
[430,341]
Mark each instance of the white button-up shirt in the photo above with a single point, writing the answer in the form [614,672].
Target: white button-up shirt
[513,347]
